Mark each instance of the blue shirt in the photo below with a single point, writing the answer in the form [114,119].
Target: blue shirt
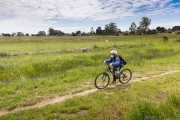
[115,61]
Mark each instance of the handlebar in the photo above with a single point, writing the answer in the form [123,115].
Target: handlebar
[108,65]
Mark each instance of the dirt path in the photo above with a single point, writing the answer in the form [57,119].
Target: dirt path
[86,92]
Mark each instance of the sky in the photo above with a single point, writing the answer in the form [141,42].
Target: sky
[31,16]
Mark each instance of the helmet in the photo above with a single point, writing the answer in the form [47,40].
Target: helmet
[114,52]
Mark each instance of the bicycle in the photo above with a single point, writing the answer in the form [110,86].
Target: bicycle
[102,79]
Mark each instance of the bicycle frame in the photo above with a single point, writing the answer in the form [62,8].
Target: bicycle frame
[104,77]
[111,69]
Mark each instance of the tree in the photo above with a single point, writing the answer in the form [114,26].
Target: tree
[41,33]
[110,29]
[138,31]
[175,28]
[6,34]
[144,24]
[119,31]
[78,32]
[53,32]
[73,34]
[20,34]
[153,31]
[27,34]
[13,34]
[34,35]
[92,31]
[169,30]
[98,31]
[84,34]
[133,28]
[59,32]
[161,29]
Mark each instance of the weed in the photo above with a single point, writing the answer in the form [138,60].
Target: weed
[177,40]
[25,78]
[4,54]
[165,38]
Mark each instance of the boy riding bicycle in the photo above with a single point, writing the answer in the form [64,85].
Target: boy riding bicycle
[114,61]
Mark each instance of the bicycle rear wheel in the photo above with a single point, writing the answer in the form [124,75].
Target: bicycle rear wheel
[102,80]
[125,76]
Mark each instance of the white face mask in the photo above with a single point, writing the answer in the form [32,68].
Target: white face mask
[111,56]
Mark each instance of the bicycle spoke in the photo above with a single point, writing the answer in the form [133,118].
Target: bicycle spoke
[125,76]
[102,80]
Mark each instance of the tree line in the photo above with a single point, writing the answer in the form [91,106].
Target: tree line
[109,29]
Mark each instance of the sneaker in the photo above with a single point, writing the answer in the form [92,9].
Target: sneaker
[114,78]
[113,81]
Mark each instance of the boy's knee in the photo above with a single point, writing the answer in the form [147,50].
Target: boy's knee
[115,68]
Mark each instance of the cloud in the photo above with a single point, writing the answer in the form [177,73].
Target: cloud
[43,13]
[82,9]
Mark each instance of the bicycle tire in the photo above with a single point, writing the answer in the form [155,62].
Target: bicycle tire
[124,75]
[105,78]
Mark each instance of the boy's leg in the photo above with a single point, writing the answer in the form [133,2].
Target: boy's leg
[114,76]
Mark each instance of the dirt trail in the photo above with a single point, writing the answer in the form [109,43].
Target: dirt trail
[86,92]
[155,76]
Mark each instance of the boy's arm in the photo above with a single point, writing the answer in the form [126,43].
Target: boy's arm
[109,60]
[117,62]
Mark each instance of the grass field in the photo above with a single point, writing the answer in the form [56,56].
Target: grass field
[54,66]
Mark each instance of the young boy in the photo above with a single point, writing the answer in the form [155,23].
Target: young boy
[114,61]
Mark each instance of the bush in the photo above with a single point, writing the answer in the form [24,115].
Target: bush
[125,33]
[151,32]
[3,54]
[138,33]
[84,50]
[165,38]
[116,34]
[177,32]
[95,47]
[177,40]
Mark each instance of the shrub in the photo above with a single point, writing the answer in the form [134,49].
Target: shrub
[177,32]
[138,33]
[151,32]
[95,47]
[125,33]
[4,54]
[165,38]
[177,40]
[15,54]
[143,111]
[84,50]
[116,34]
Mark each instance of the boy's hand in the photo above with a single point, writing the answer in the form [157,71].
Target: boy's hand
[110,64]
[104,62]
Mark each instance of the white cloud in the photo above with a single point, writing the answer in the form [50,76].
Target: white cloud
[44,13]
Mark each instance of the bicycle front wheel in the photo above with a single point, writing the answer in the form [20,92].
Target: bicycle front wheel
[102,80]
[125,76]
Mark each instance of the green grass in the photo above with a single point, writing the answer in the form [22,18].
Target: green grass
[135,101]
[28,79]
[37,44]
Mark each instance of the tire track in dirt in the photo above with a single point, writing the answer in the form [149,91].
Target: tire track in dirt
[86,92]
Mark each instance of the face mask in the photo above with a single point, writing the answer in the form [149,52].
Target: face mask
[111,56]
